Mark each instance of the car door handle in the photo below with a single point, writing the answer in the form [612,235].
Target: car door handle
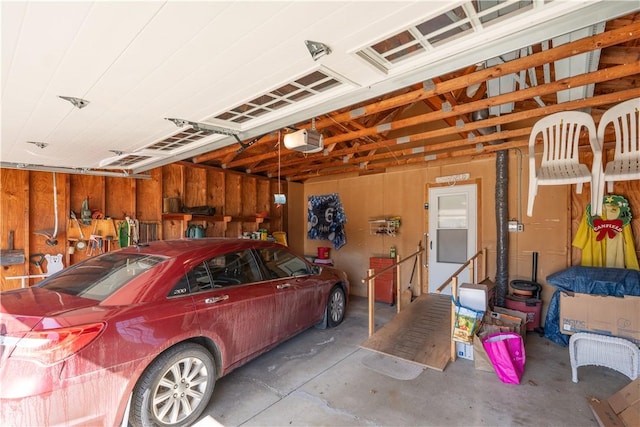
[216,299]
[283,285]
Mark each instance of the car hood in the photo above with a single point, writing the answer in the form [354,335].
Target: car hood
[22,309]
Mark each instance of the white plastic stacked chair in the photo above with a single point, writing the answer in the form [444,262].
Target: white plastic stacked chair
[560,163]
[601,350]
[625,119]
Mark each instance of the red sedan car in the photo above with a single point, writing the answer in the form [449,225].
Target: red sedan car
[140,335]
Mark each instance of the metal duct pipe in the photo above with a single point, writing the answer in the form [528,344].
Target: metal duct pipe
[483,114]
[502,227]
[502,211]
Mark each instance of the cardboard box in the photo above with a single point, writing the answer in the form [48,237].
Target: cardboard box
[504,320]
[479,297]
[600,314]
[621,409]
[508,313]
[491,293]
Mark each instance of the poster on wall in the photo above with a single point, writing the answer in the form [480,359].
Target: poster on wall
[326,219]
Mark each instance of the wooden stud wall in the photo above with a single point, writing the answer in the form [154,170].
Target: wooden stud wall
[27,206]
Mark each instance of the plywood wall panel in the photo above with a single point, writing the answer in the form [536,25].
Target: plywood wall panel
[173,229]
[148,203]
[120,197]
[216,198]
[14,187]
[195,186]
[173,184]
[233,203]
[89,187]
[248,202]
[27,205]
[248,197]
[296,224]
[264,196]
[216,189]
[404,190]
[41,195]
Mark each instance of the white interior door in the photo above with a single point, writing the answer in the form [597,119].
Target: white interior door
[452,232]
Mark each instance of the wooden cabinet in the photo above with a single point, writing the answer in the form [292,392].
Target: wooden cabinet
[385,284]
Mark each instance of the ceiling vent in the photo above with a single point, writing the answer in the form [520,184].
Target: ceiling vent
[304,140]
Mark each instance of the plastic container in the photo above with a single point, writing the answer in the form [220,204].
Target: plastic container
[531,306]
[323,252]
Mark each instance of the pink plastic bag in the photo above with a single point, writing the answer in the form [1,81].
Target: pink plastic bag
[506,353]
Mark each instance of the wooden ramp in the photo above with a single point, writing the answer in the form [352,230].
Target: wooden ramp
[420,333]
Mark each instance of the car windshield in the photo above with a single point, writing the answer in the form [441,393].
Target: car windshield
[97,278]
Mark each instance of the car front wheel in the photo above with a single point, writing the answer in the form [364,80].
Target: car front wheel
[336,307]
[175,389]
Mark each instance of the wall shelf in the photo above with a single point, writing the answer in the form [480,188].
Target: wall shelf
[176,217]
[384,227]
[251,218]
[185,218]
[190,217]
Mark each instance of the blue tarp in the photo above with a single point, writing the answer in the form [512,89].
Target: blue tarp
[586,280]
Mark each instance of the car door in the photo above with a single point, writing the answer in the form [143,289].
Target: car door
[235,306]
[297,293]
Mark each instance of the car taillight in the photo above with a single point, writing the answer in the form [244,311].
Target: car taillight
[53,345]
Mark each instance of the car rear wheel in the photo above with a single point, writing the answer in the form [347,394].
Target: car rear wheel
[175,389]
[336,307]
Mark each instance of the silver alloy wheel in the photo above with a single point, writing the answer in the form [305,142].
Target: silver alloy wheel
[336,306]
[180,390]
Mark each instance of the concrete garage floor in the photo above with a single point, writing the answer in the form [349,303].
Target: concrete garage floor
[318,378]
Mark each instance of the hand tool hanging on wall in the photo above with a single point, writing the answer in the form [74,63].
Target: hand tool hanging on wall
[111,238]
[85,212]
[37,260]
[51,235]
[11,256]
[80,244]
[95,241]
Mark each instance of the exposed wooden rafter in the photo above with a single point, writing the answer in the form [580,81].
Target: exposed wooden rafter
[395,130]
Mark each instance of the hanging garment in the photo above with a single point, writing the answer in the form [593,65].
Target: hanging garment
[607,241]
